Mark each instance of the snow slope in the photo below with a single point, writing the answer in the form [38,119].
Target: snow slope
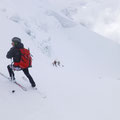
[85,87]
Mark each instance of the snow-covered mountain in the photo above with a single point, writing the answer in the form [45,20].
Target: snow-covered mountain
[86,84]
[101,16]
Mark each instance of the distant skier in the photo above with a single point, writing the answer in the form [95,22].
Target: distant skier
[57,63]
[15,53]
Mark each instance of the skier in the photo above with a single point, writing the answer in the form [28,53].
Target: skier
[15,53]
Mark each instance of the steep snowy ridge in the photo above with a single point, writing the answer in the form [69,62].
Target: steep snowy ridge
[84,87]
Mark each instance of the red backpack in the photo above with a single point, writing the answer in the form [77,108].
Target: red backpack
[26,59]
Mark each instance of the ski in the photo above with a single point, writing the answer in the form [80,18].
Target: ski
[22,87]
[18,84]
[4,76]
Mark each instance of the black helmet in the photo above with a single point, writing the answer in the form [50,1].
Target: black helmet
[16,40]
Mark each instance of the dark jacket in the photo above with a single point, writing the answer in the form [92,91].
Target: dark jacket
[14,52]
